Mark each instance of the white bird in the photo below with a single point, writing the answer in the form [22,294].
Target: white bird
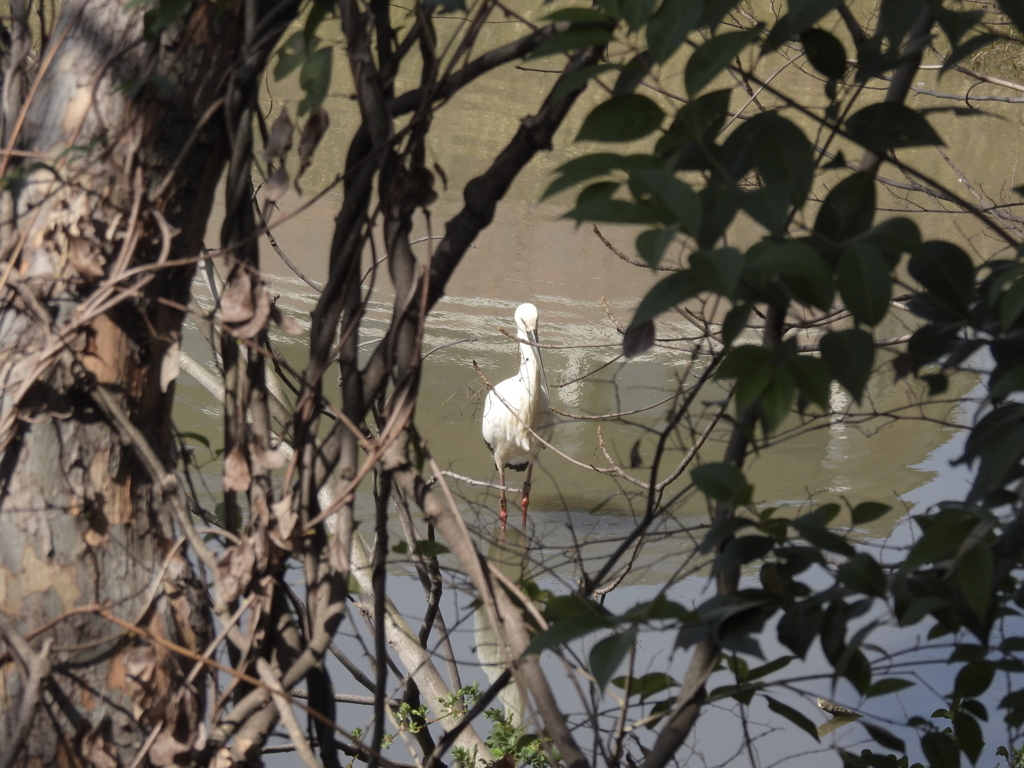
[516,414]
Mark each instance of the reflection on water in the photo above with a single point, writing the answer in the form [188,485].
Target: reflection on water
[507,554]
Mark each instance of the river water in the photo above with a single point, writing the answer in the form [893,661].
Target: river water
[582,289]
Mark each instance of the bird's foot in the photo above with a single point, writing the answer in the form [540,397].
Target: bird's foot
[503,513]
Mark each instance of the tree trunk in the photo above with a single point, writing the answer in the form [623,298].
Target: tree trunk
[131,146]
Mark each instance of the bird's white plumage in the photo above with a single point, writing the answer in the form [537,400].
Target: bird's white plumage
[516,411]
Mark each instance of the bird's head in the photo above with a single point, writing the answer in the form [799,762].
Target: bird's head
[526,319]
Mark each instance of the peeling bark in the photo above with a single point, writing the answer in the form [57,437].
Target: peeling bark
[128,128]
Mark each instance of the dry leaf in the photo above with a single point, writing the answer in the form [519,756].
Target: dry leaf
[444,176]
[260,516]
[234,571]
[285,321]
[638,340]
[201,736]
[86,260]
[277,184]
[260,316]
[181,728]
[280,140]
[236,471]
[272,458]
[95,751]
[314,130]
[261,549]
[166,748]
[285,516]
[140,664]
[170,365]
[236,304]
[139,668]
[636,459]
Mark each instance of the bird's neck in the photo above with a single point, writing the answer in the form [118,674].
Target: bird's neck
[530,365]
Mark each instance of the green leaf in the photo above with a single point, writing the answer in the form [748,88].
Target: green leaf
[943,535]
[720,269]
[772,666]
[676,198]
[611,212]
[166,13]
[825,53]
[573,39]
[803,13]
[720,202]
[890,125]
[580,78]
[821,537]
[974,679]
[194,436]
[884,737]
[751,385]
[651,244]
[446,6]
[888,685]
[1011,304]
[740,551]
[669,26]
[848,209]
[645,685]
[812,377]
[799,626]
[975,577]
[632,74]
[850,355]
[782,154]
[607,655]
[565,631]
[894,237]
[862,574]
[666,294]
[941,750]
[777,399]
[946,272]
[742,360]
[1014,9]
[315,80]
[864,283]
[722,482]
[896,17]
[580,16]
[958,23]
[713,56]
[734,323]
[428,548]
[636,13]
[291,55]
[590,166]
[867,511]
[800,720]
[968,735]
[621,118]
[803,270]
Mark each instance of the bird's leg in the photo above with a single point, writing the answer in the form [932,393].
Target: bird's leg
[526,489]
[503,514]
